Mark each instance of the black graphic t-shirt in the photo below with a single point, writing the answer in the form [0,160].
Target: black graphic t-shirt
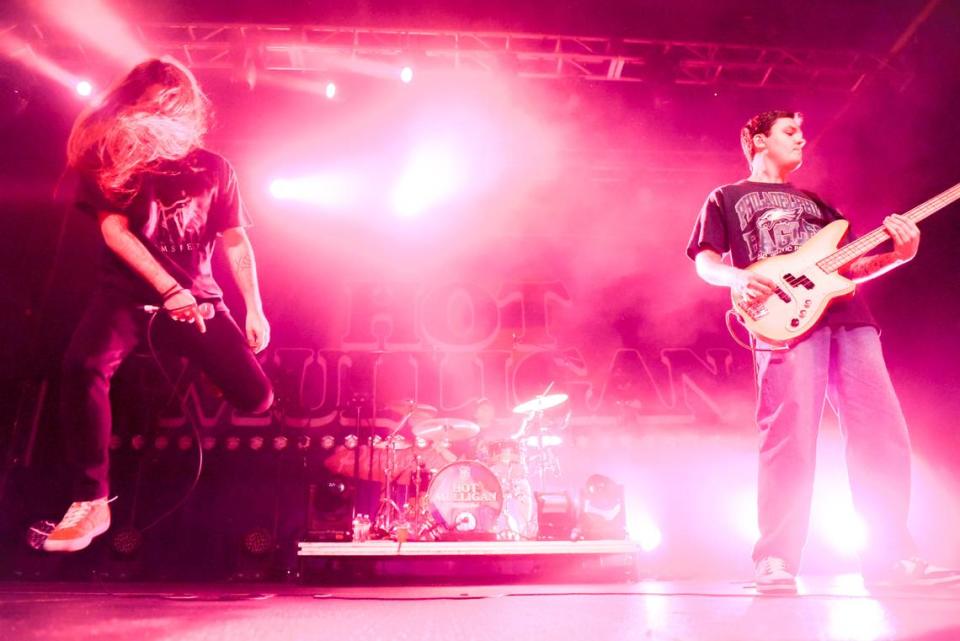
[752,221]
[179,210]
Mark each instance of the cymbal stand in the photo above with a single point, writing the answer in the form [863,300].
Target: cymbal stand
[545,459]
[388,512]
[419,469]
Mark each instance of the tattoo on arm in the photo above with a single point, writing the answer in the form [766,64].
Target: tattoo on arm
[869,265]
[242,263]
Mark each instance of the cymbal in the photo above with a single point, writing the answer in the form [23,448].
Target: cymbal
[540,403]
[396,442]
[446,429]
[406,406]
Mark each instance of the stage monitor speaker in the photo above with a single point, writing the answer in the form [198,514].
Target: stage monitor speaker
[330,509]
[556,516]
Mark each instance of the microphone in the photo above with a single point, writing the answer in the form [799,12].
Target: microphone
[207,310]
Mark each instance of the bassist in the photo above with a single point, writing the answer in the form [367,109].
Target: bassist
[841,360]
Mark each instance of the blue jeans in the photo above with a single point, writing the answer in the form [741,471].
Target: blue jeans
[846,366]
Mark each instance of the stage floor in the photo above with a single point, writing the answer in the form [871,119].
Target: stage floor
[826,609]
[378,562]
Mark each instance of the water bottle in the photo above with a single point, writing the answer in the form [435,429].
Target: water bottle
[357,531]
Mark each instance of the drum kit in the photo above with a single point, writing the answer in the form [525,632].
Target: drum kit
[431,494]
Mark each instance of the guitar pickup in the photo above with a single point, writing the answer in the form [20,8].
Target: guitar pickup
[782,295]
[755,312]
[798,281]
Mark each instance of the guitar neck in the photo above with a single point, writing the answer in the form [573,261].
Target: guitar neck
[850,252]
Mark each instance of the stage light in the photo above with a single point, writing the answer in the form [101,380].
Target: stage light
[303,443]
[281,189]
[327,441]
[184,443]
[845,531]
[258,541]
[432,175]
[743,509]
[161,442]
[280,442]
[350,441]
[84,88]
[602,513]
[137,442]
[645,532]
[208,443]
[330,91]
[233,443]
[126,541]
[256,443]
[115,442]
[859,619]
[406,75]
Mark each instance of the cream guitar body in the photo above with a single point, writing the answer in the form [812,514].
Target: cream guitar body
[804,290]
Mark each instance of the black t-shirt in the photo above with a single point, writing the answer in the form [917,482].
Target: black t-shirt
[752,221]
[178,211]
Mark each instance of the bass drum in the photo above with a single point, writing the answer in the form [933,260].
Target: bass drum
[464,501]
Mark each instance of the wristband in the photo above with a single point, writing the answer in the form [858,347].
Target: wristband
[170,293]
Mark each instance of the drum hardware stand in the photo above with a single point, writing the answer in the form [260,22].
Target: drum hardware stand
[388,512]
[533,416]
[358,402]
[419,469]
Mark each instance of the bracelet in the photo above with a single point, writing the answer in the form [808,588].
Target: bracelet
[170,289]
[170,293]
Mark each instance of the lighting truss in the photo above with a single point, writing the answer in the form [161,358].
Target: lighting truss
[305,48]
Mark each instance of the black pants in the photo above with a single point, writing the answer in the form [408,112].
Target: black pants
[111,328]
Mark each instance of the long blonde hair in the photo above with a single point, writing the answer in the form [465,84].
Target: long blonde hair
[156,112]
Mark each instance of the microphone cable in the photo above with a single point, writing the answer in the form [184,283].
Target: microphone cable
[154,312]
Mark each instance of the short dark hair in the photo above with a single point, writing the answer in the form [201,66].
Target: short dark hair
[761,124]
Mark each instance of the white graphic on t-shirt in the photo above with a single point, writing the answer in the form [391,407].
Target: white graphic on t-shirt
[776,222]
[176,227]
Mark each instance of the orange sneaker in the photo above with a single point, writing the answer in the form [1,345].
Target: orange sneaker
[83,521]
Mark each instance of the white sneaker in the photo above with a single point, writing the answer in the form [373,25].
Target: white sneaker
[912,573]
[772,577]
[83,521]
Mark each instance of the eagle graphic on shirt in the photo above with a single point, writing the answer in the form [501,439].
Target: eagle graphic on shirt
[776,222]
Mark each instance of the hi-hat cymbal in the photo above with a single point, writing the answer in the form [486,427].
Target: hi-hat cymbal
[446,429]
[406,406]
[396,442]
[540,403]
[543,440]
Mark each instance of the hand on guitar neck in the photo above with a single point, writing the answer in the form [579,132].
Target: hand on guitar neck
[906,242]
[905,234]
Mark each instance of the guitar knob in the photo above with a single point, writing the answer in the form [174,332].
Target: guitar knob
[794,322]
